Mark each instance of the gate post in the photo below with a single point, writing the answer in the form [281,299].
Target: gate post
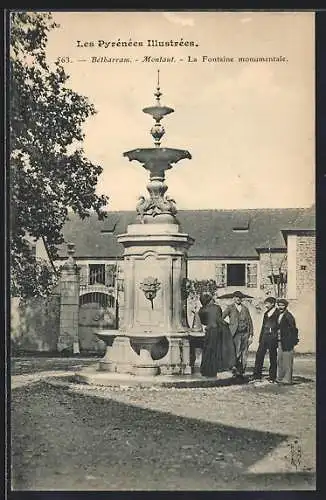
[69,303]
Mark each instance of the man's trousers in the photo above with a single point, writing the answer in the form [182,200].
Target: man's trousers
[265,345]
[284,365]
[241,344]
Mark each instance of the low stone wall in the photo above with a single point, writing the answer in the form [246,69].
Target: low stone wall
[35,324]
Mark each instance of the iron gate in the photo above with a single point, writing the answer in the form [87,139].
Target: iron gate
[96,311]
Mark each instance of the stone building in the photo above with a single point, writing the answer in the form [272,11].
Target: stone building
[258,251]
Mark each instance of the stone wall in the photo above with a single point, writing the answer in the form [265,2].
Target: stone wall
[305,264]
[35,324]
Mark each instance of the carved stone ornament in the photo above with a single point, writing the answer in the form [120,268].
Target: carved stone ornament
[150,287]
[155,205]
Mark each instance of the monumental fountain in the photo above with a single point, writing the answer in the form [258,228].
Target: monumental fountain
[154,338]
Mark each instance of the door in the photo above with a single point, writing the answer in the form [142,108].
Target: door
[96,311]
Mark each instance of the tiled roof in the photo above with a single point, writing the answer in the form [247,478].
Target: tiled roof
[217,233]
[305,221]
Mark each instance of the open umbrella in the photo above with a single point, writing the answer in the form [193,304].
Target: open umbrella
[235,294]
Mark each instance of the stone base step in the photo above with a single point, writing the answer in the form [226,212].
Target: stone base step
[179,381]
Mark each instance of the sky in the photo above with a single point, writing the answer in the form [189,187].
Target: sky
[248,126]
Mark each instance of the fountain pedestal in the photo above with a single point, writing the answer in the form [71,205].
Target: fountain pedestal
[155,323]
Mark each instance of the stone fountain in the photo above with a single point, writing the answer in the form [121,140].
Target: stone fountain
[155,269]
[153,340]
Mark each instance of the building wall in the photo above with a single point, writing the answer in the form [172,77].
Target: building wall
[304,311]
[305,264]
[302,305]
[40,251]
[292,266]
[202,269]
[268,262]
[199,269]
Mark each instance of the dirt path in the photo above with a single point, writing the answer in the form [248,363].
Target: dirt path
[187,439]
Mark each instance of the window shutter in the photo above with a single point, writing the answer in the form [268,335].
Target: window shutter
[252,275]
[220,275]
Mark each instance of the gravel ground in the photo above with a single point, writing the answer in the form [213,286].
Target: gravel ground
[239,437]
[22,366]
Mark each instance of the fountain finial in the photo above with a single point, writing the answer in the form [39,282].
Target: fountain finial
[158,112]
[157,207]
[158,92]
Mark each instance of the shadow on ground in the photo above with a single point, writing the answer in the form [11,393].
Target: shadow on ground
[68,441]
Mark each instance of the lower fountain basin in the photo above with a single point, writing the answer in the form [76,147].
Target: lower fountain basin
[147,342]
[107,336]
[146,339]
[143,346]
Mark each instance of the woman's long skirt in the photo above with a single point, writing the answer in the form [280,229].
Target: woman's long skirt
[218,351]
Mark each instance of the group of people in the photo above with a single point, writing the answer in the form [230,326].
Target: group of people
[229,333]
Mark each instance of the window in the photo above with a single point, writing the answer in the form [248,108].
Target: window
[97,274]
[241,224]
[240,230]
[236,275]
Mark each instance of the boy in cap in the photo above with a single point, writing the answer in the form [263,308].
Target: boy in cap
[287,339]
[267,342]
[241,327]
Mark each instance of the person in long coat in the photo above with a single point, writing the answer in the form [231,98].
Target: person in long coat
[218,353]
[287,339]
[241,327]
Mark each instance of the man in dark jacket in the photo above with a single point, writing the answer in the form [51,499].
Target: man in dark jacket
[267,342]
[287,339]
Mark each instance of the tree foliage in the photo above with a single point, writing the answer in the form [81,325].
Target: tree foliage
[49,173]
[37,276]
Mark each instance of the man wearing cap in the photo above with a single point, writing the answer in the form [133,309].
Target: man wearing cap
[267,342]
[287,339]
[241,327]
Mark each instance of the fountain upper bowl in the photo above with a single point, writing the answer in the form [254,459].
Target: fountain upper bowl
[154,156]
